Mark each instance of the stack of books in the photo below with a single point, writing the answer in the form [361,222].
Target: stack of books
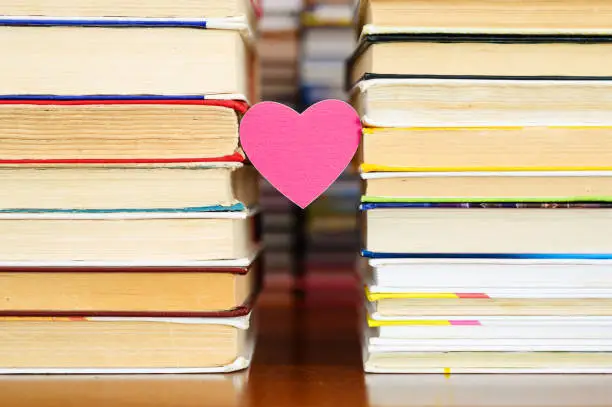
[487,163]
[328,39]
[128,238]
[279,50]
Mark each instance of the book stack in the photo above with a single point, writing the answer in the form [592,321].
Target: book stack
[279,50]
[487,159]
[327,40]
[127,220]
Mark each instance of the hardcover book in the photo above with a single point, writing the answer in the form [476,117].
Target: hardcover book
[460,102]
[82,345]
[450,185]
[480,56]
[224,288]
[487,149]
[488,230]
[57,60]
[485,17]
[73,129]
[131,187]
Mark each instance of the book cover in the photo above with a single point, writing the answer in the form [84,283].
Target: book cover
[369,40]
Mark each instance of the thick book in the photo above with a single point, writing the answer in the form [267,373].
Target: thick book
[459,102]
[184,390]
[488,230]
[212,289]
[99,186]
[462,185]
[485,17]
[124,238]
[57,60]
[469,56]
[118,129]
[82,345]
[459,149]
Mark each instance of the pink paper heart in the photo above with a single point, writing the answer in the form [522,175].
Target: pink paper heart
[301,155]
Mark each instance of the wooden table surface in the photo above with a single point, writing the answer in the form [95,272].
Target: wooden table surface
[306,356]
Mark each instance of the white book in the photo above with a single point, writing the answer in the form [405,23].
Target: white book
[524,277]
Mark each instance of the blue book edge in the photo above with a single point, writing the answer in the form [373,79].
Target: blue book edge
[552,256]
[214,208]
[102,22]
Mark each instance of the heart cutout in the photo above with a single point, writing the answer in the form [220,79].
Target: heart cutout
[301,155]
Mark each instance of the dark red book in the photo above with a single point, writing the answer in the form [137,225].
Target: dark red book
[119,129]
[221,289]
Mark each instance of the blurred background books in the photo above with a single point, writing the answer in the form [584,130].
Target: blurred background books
[303,47]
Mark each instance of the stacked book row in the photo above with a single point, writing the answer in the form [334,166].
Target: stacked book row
[487,168]
[128,238]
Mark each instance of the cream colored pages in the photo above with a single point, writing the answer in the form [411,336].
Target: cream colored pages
[486,17]
[117,131]
[242,361]
[125,237]
[208,62]
[483,103]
